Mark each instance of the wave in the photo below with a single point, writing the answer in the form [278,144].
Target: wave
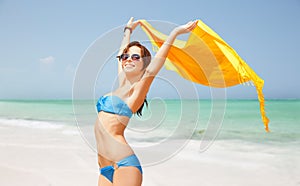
[31,123]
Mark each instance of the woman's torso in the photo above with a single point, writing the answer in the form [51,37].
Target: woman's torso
[110,126]
[109,133]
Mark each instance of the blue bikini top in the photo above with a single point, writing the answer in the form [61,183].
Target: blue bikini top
[113,104]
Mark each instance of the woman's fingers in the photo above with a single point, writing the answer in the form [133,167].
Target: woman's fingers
[191,25]
[129,23]
[188,27]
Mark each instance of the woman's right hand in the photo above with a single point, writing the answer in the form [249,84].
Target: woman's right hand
[132,24]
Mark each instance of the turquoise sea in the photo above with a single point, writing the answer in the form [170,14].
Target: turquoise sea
[240,119]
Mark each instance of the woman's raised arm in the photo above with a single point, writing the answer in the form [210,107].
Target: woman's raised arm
[160,57]
[130,26]
[156,64]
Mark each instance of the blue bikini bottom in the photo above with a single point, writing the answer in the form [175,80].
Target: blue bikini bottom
[131,161]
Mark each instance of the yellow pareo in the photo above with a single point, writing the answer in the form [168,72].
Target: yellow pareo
[205,58]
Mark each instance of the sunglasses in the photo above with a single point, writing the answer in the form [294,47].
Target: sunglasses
[134,57]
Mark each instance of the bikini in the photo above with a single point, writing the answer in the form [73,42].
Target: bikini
[115,105]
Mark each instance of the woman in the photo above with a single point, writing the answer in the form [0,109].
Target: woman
[117,161]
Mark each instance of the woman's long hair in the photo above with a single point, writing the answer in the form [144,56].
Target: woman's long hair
[146,56]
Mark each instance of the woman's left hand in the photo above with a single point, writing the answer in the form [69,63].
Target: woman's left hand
[188,27]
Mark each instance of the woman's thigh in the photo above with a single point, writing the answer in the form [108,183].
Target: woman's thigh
[102,181]
[127,176]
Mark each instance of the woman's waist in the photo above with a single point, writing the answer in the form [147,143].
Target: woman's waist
[109,157]
[112,126]
[113,146]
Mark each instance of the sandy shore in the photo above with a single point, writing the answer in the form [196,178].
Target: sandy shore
[31,156]
[60,157]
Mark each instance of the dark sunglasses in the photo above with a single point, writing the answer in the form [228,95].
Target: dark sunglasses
[134,57]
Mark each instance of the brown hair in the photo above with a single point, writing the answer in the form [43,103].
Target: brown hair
[146,55]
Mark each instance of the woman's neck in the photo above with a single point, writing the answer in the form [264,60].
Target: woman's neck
[131,79]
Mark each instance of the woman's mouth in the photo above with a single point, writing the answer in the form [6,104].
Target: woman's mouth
[129,65]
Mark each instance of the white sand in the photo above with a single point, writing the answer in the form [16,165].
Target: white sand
[45,157]
[60,157]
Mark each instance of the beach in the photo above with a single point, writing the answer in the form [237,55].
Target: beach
[42,156]
[42,153]
[60,157]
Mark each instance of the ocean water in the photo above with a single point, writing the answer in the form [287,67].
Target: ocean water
[236,119]
[200,120]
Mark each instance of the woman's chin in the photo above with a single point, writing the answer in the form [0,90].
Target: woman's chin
[129,69]
[132,71]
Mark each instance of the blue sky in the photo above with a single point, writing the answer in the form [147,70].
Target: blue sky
[42,42]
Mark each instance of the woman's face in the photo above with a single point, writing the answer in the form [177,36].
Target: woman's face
[134,62]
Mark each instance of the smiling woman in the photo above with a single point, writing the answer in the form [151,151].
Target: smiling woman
[116,158]
[135,46]
[131,58]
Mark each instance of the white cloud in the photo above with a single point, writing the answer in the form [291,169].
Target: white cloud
[47,60]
